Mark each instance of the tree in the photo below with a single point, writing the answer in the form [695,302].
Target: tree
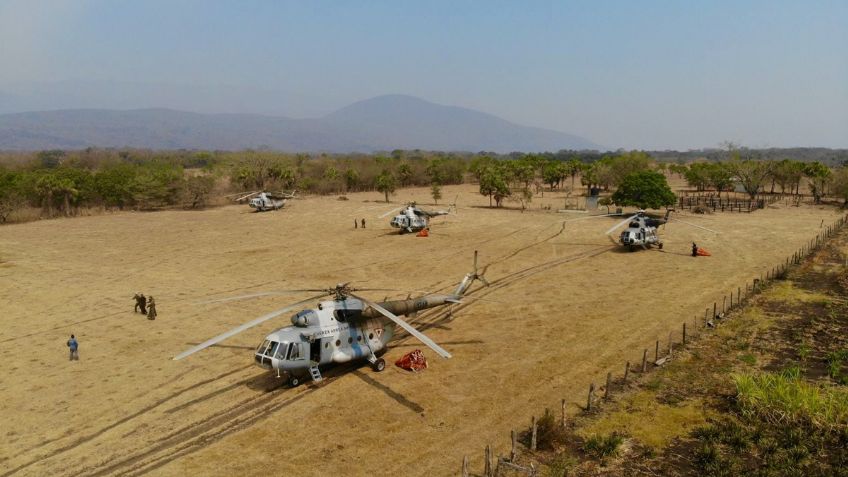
[840,185]
[494,184]
[644,189]
[553,173]
[113,184]
[819,174]
[787,173]
[436,192]
[750,173]
[405,174]
[386,183]
[11,197]
[719,176]
[697,175]
[574,167]
[196,190]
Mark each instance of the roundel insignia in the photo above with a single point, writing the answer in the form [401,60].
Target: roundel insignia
[378,332]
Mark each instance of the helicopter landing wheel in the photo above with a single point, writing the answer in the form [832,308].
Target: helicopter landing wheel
[379,365]
[660,245]
[294,382]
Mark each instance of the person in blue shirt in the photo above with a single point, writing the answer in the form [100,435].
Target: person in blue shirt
[73,346]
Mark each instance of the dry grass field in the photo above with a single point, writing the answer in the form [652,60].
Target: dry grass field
[565,307]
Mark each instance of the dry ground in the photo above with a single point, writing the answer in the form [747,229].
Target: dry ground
[565,308]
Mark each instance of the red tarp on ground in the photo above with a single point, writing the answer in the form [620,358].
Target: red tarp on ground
[412,361]
[703,253]
[423,233]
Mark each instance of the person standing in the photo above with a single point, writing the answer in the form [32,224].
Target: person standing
[73,347]
[151,308]
[140,303]
[694,249]
[355,224]
[363,223]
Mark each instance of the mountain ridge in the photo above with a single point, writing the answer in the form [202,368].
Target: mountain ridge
[380,123]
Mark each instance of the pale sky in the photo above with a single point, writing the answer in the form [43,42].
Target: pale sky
[645,74]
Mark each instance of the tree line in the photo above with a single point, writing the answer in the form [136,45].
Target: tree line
[63,182]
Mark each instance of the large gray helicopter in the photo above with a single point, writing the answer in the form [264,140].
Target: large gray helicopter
[346,328]
[263,201]
[412,218]
[642,229]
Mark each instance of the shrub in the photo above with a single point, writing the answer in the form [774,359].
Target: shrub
[603,446]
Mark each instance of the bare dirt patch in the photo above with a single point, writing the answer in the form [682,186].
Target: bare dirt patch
[567,309]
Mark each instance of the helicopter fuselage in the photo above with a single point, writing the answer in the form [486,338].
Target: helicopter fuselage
[413,219]
[338,331]
[641,231]
[264,202]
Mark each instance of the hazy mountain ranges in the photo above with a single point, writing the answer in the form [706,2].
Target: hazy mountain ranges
[381,123]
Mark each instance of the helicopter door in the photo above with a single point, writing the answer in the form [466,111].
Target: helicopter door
[315,351]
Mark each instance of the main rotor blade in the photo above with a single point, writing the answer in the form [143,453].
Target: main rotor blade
[590,216]
[406,326]
[243,297]
[240,193]
[239,329]
[392,211]
[693,225]
[620,224]
[245,196]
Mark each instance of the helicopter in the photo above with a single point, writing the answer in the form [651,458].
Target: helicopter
[263,201]
[642,230]
[343,329]
[412,218]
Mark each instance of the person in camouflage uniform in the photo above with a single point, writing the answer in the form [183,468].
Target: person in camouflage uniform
[140,303]
[151,308]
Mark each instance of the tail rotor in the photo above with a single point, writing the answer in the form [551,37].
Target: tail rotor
[469,278]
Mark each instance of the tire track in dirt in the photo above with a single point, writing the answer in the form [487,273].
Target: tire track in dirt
[123,420]
[197,436]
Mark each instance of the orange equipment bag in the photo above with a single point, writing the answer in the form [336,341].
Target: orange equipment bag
[412,361]
[423,233]
[703,253]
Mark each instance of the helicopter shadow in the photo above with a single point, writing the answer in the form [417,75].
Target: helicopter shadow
[396,396]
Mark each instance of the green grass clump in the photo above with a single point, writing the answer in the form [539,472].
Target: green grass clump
[549,432]
[835,359]
[783,398]
[603,447]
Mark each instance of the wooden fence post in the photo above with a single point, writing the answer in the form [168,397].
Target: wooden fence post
[684,332]
[533,430]
[724,304]
[657,352]
[487,470]
[626,371]
[738,296]
[670,342]
[514,438]
[706,321]
[562,420]
[591,395]
[645,360]
[465,466]
[607,388]
[715,306]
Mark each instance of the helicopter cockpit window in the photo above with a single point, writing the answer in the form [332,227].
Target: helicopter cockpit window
[281,351]
[261,349]
[272,349]
[295,351]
